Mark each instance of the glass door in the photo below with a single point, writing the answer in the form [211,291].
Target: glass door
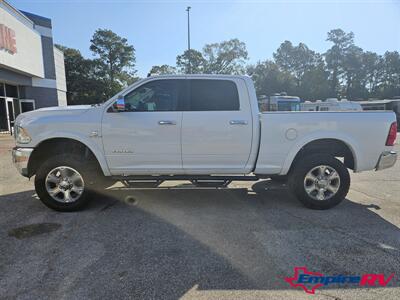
[10,113]
[3,115]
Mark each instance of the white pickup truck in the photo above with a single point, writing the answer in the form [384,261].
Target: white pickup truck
[202,128]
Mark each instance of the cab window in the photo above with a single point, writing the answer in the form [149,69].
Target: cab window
[217,95]
[158,95]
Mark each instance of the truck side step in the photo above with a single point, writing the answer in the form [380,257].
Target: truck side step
[187,177]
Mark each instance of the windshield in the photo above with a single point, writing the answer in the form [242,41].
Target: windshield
[288,106]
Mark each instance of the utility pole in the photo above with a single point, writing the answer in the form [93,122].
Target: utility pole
[188,29]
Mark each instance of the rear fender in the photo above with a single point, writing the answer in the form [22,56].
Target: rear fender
[350,142]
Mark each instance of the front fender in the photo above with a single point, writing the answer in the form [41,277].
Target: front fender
[93,143]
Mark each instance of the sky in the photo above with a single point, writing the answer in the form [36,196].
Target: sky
[158,28]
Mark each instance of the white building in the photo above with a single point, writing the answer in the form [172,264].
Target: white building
[32,73]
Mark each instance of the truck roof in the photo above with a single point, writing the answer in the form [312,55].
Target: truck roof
[222,76]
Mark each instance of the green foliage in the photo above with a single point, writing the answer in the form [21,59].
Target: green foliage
[197,62]
[227,57]
[117,58]
[344,71]
[296,60]
[84,78]
[269,79]
[162,70]
[335,57]
[315,83]
[373,67]
[391,75]
[96,80]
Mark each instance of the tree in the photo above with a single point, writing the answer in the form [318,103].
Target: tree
[117,57]
[373,68]
[335,56]
[296,60]
[344,70]
[162,70]
[315,83]
[354,73]
[227,57]
[197,62]
[391,75]
[269,79]
[83,77]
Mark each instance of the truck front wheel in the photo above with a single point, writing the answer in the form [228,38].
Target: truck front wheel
[320,181]
[63,182]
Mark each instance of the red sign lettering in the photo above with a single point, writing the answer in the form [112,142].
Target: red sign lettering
[371,279]
[7,39]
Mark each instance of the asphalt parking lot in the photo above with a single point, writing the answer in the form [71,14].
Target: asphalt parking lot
[182,242]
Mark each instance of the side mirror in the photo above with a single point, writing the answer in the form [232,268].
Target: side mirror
[119,105]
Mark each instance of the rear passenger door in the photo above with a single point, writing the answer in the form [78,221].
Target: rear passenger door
[216,127]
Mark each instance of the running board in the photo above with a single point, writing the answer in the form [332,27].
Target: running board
[187,177]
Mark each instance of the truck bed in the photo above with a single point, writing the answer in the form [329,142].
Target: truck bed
[283,134]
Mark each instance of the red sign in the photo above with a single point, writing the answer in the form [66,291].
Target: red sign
[7,39]
[310,281]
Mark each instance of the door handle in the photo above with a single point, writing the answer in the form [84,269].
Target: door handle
[238,122]
[166,122]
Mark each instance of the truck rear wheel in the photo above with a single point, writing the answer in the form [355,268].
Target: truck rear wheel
[320,181]
[63,182]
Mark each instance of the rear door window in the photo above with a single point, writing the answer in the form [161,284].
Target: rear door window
[213,95]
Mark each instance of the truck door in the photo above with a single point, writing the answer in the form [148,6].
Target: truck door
[217,127]
[146,137]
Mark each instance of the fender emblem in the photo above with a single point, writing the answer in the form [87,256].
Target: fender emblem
[94,134]
[122,151]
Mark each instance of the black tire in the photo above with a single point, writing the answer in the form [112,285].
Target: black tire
[86,170]
[304,166]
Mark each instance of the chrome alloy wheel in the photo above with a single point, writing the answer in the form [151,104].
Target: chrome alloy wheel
[322,182]
[64,184]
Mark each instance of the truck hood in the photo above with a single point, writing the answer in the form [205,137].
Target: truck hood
[65,108]
[56,111]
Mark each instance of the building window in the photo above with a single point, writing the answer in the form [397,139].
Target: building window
[26,105]
[11,91]
[2,92]
[21,92]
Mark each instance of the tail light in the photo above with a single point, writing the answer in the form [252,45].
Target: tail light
[392,134]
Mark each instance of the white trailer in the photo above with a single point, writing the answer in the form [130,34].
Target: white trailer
[331,104]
